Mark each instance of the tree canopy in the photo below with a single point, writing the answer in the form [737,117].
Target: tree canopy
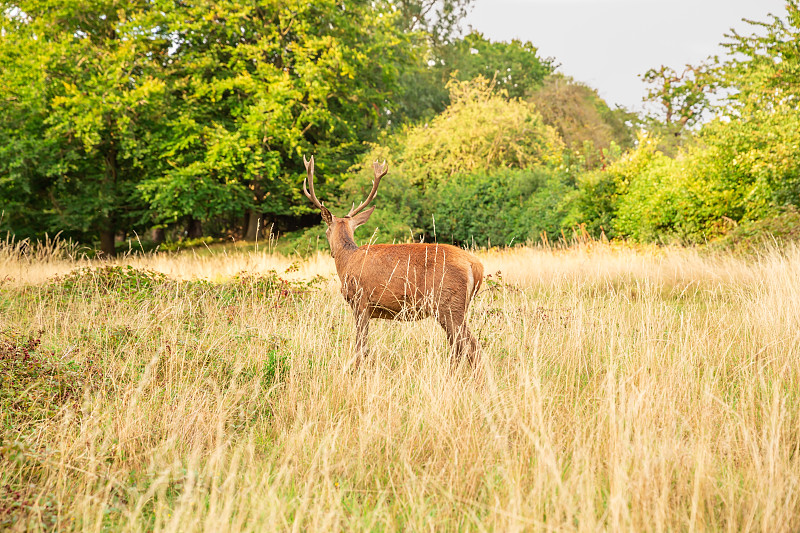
[192,119]
[160,112]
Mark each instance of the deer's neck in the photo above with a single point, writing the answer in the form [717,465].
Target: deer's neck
[343,249]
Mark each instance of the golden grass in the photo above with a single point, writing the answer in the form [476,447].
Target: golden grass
[621,389]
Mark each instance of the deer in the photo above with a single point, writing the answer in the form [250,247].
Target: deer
[409,281]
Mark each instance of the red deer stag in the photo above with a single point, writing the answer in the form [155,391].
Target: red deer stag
[403,281]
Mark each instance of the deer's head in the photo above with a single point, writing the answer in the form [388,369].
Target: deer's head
[340,230]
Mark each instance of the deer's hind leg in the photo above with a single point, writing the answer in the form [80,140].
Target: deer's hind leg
[463,344]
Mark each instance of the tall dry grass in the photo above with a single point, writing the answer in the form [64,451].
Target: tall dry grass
[621,389]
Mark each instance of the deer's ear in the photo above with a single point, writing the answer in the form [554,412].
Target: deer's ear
[361,218]
[326,215]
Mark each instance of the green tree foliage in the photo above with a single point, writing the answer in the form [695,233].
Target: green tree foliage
[515,66]
[760,154]
[594,204]
[117,118]
[678,102]
[502,207]
[734,171]
[25,155]
[82,103]
[274,82]
[432,27]
[681,98]
[592,131]
[481,130]
[440,20]
[164,112]
[758,138]
[687,180]
[763,69]
[480,135]
[741,167]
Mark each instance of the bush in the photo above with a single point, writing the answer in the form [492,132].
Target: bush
[117,280]
[502,207]
[594,204]
[36,383]
[269,286]
[483,134]
[756,236]
[483,208]
[657,198]
[480,130]
[756,158]
[549,211]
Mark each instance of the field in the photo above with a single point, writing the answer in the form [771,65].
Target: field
[649,389]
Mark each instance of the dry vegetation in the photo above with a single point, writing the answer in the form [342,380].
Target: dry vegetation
[644,390]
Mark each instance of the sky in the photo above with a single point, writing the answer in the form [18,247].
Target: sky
[608,44]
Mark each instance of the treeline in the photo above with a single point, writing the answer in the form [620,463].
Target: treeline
[172,119]
[177,120]
[718,153]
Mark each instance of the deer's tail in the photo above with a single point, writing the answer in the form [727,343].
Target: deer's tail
[475,275]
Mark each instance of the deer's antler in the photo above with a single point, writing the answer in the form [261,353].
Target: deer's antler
[380,169]
[310,181]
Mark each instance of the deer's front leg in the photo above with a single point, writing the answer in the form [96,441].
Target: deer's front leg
[362,330]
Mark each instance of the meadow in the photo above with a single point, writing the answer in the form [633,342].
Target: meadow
[621,388]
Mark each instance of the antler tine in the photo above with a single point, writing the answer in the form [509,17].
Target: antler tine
[310,180]
[380,171]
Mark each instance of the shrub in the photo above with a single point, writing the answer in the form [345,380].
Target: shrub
[119,280]
[658,198]
[502,207]
[246,285]
[594,204]
[36,384]
[481,133]
[480,130]
[483,208]
[755,236]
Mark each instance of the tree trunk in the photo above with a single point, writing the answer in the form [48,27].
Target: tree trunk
[109,230]
[107,243]
[255,224]
[158,235]
[195,229]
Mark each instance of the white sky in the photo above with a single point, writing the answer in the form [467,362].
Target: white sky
[607,44]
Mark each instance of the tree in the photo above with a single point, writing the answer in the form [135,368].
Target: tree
[681,99]
[254,87]
[758,137]
[481,131]
[589,128]
[440,20]
[23,110]
[515,66]
[740,167]
[164,112]
[763,69]
[85,140]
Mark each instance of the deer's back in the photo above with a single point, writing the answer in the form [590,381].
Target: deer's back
[422,277]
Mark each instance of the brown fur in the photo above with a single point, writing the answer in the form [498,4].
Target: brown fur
[400,281]
[406,282]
